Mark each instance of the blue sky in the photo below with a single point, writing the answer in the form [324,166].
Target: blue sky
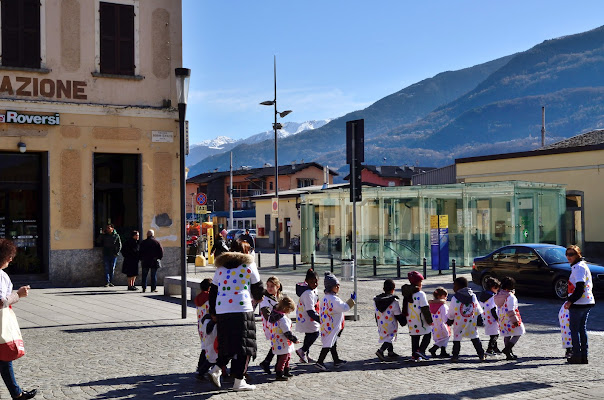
[337,56]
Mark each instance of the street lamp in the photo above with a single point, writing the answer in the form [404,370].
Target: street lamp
[193,206]
[276,127]
[182,92]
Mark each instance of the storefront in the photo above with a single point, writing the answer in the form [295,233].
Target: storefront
[395,222]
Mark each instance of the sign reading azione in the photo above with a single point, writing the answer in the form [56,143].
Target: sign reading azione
[13,117]
[34,87]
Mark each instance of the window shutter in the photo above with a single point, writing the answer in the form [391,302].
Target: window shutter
[21,33]
[117,39]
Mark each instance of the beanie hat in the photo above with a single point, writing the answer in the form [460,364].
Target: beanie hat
[330,281]
[415,277]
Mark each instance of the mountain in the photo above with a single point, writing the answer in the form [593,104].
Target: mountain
[405,106]
[223,144]
[489,108]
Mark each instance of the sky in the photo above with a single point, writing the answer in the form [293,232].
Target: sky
[338,56]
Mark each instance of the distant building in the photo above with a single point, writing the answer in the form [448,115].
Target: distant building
[389,175]
[247,183]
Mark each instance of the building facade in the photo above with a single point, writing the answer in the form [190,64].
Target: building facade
[88,134]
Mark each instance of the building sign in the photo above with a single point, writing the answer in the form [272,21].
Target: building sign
[34,87]
[13,117]
[162,136]
[275,207]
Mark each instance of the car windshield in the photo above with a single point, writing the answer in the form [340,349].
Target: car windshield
[552,255]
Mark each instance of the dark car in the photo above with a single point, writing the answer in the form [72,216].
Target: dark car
[536,267]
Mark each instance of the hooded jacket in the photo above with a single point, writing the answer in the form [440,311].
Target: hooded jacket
[500,299]
[274,319]
[408,292]
[435,304]
[382,302]
[464,295]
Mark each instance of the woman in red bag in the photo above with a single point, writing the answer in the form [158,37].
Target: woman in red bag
[8,297]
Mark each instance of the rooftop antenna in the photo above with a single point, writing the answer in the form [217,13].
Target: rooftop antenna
[542,126]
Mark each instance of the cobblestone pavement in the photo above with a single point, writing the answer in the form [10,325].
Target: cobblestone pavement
[107,343]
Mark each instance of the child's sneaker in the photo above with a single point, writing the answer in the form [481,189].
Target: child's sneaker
[569,353]
[241,384]
[310,360]
[444,354]
[214,376]
[287,372]
[432,352]
[320,366]
[281,377]
[421,355]
[393,355]
[381,355]
[302,356]
[482,357]
[454,358]
[339,363]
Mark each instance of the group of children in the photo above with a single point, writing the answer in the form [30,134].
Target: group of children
[427,320]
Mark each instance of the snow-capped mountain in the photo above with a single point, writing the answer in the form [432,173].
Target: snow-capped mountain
[221,144]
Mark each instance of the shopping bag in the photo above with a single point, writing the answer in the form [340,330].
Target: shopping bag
[11,342]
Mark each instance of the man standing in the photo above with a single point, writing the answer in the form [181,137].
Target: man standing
[150,253]
[246,237]
[112,245]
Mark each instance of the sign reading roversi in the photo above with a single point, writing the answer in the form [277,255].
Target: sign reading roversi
[13,117]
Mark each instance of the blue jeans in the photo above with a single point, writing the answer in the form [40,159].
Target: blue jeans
[153,277]
[109,263]
[6,370]
[578,329]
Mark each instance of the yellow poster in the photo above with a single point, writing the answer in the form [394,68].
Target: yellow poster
[443,221]
[433,221]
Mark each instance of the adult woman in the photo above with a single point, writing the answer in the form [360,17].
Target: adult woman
[235,282]
[220,245]
[579,302]
[130,251]
[8,297]
[150,252]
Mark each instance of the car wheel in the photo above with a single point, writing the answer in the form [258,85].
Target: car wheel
[561,288]
[484,279]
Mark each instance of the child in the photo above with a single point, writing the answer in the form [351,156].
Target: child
[282,339]
[272,296]
[567,342]
[489,316]
[463,314]
[510,322]
[387,316]
[332,320]
[419,319]
[203,306]
[308,320]
[440,330]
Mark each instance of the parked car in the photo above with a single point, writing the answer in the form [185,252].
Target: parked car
[234,234]
[536,267]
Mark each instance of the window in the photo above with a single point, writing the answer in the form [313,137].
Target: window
[304,182]
[21,33]
[117,193]
[270,185]
[116,39]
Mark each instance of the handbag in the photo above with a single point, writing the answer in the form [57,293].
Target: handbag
[11,341]
[157,263]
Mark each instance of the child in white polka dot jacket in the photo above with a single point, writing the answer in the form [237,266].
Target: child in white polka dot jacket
[387,317]
[419,318]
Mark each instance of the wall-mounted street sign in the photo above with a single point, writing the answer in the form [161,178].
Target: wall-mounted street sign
[14,117]
[275,206]
[162,136]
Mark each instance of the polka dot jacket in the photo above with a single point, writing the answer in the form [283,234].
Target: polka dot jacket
[234,284]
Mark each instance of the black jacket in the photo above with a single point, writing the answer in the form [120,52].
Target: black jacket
[150,252]
[130,251]
[112,244]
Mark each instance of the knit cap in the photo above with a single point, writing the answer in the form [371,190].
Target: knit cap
[330,281]
[415,277]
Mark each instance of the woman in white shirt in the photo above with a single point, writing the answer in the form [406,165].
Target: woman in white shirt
[8,297]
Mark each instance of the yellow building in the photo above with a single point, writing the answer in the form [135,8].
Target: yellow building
[576,163]
[88,131]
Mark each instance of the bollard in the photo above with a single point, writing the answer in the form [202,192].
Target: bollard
[453,266]
[312,262]
[425,268]
[331,263]
[374,266]
[398,267]
[259,262]
[294,254]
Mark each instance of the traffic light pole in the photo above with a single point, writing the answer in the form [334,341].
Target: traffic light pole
[353,172]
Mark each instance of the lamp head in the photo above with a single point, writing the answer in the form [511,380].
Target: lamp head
[22,147]
[182,84]
[267,103]
[284,113]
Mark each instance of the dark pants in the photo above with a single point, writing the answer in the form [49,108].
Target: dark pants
[475,342]
[269,356]
[578,329]
[387,346]
[326,350]
[109,265]
[416,346]
[309,339]
[6,370]
[153,277]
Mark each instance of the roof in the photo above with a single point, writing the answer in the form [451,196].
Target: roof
[256,173]
[589,141]
[298,191]
[394,171]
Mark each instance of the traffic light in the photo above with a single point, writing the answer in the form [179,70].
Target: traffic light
[358,184]
[355,138]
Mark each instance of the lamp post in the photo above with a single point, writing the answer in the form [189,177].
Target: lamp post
[182,92]
[193,207]
[276,127]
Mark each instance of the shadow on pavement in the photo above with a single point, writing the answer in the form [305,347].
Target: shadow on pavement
[121,328]
[482,393]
